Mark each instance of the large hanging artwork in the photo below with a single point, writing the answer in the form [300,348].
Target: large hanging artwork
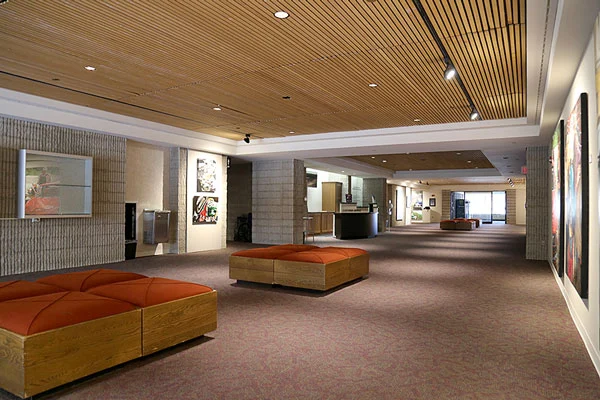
[558,199]
[205,210]
[576,196]
[207,175]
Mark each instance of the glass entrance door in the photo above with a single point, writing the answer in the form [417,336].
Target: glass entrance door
[489,207]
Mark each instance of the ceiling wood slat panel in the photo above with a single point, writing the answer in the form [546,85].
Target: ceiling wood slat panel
[172,62]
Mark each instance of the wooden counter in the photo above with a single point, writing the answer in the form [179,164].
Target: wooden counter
[355,225]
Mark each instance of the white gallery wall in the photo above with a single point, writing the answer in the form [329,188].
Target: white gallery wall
[205,234]
[586,312]
[146,184]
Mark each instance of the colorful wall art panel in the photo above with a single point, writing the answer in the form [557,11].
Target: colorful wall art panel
[205,210]
[558,199]
[576,196]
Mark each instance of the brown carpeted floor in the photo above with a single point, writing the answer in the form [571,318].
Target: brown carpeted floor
[443,315]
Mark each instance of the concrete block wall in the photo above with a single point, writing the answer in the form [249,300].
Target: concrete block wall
[178,200]
[511,206]
[278,201]
[538,203]
[239,198]
[55,243]
[446,204]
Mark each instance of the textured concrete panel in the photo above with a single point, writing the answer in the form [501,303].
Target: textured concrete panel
[62,242]
[538,203]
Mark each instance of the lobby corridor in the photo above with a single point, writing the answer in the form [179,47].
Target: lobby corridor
[442,315]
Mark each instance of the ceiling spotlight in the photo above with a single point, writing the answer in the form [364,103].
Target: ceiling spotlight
[474,114]
[450,71]
[373,157]
[372,85]
[383,160]
[90,68]
[281,14]
[292,132]
[417,120]
[217,108]
[247,138]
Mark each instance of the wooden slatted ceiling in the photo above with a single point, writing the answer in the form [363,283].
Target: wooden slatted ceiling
[467,159]
[173,62]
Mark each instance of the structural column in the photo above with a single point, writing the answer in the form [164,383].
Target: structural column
[278,201]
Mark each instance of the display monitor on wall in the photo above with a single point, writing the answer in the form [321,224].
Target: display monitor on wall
[53,185]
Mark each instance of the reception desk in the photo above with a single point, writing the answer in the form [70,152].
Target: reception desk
[355,225]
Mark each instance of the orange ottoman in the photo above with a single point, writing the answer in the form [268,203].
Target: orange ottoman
[84,280]
[448,224]
[255,265]
[12,290]
[53,339]
[311,269]
[294,247]
[172,311]
[358,260]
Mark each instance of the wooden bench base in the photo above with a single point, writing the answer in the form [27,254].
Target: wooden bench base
[33,364]
[303,275]
[167,324]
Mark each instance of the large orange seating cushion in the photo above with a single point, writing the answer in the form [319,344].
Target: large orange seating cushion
[314,256]
[20,289]
[346,251]
[42,313]
[150,291]
[85,280]
[268,253]
[294,247]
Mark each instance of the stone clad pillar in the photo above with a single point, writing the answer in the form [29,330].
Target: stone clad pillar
[278,205]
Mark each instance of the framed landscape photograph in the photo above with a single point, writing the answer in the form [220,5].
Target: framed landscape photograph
[576,169]
[558,199]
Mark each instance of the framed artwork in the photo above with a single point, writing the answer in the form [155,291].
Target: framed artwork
[205,210]
[576,169]
[207,175]
[311,180]
[558,199]
[432,202]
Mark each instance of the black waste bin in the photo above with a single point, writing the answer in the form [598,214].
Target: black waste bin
[130,248]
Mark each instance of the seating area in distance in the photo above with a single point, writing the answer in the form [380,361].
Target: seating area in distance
[460,224]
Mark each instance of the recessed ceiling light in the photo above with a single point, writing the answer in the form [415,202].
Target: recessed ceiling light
[407,152]
[383,160]
[217,108]
[281,14]
[410,169]
[373,157]
[417,120]
[476,167]
[458,153]
[292,132]
[372,85]
[343,171]
[469,161]
[90,68]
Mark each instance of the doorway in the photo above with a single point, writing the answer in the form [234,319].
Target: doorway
[489,207]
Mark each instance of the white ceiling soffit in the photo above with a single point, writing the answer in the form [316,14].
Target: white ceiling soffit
[35,108]
[463,135]
[448,173]
[349,166]
[573,30]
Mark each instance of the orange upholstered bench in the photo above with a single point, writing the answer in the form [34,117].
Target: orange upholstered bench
[448,224]
[256,265]
[12,290]
[296,265]
[172,311]
[53,339]
[84,280]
